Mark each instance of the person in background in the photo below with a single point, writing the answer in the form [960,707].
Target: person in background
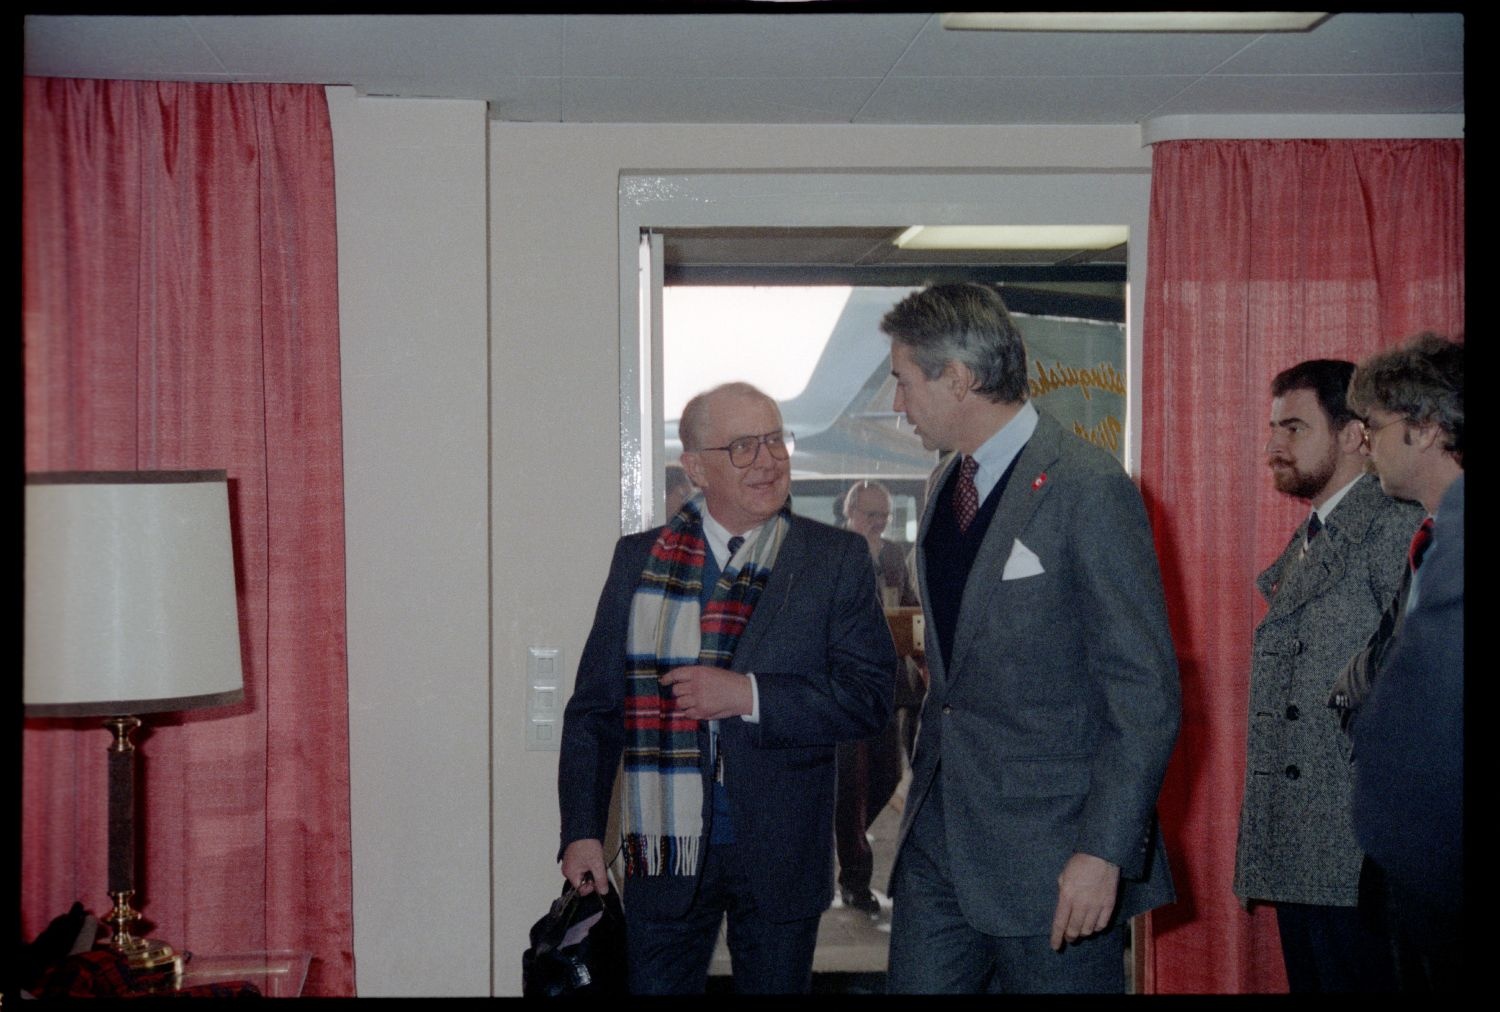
[870,770]
[1325,593]
[678,489]
[1408,731]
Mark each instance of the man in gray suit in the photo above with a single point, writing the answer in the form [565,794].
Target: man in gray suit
[1325,593]
[732,648]
[1029,833]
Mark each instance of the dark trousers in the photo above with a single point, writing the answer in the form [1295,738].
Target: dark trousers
[868,774]
[1426,943]
[1332,950]
[671,955]
[934,950]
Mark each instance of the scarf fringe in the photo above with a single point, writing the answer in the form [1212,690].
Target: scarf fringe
[661,855]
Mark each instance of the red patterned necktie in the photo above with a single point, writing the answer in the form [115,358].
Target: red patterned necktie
[966,495]
[1419,543]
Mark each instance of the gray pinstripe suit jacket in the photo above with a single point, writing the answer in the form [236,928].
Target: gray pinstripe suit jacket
[1050,731]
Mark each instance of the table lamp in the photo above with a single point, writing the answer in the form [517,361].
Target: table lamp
[130,609]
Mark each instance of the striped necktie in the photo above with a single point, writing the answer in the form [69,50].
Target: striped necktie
[1419,543]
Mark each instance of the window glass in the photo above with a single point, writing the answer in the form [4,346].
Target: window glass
[819,352]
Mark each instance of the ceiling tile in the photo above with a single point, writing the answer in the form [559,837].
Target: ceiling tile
[941,52]
[1018,99]
[347,49]
[528,100]
[518,99]
[1359,44]
[749,45]
[717,100]
[1349,94]
[783,68]
[115,47]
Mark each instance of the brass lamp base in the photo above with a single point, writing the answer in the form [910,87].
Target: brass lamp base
[140,953]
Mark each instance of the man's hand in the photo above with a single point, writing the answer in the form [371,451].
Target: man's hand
[583,866]
[1085,898]
[705,693]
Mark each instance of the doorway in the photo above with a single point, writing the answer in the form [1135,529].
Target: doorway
[713,235]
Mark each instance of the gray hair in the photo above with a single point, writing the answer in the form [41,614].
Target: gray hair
[1422,380]
[965,323]
[693,425]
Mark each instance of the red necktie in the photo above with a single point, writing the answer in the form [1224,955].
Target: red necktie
[1419,543]
[966,495]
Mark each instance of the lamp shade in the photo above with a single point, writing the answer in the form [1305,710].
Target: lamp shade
[130,603]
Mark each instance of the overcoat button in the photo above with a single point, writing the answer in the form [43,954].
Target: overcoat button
[947,708]
[1292,772]
[1292,713]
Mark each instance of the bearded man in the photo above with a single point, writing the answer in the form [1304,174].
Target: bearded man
[1326,593]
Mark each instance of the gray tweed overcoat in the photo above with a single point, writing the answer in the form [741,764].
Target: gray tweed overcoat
[1296,837]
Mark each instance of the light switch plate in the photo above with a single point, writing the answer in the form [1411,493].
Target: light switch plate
[544,703]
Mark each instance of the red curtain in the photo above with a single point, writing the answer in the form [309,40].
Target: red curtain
[1261,254]
[180,310]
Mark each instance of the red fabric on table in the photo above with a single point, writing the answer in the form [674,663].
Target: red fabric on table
[103,973]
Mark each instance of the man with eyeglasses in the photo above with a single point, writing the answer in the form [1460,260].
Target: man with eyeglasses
[1324,596]
[1404,691]
[1412,428]
[732,648]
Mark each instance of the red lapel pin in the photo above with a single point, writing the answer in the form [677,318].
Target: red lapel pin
[1041,480]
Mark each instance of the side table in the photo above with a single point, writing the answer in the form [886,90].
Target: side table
[278,973]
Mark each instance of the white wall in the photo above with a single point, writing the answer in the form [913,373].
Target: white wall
[481,383]
[555,367]
[482,438]
[410,184]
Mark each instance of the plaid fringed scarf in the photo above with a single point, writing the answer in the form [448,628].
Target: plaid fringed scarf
[662,817]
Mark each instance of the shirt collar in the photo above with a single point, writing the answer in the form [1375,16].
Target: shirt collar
[717,536]
[1332,501]
[997,452]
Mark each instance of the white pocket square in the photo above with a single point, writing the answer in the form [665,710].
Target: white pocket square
[1022,563]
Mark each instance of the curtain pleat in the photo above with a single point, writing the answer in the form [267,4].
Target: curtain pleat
[1261,254]
[180,310]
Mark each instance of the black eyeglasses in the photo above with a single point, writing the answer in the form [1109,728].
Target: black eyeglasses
[743,451]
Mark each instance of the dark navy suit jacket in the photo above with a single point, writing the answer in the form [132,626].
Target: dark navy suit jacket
[822,656]
[1409,739]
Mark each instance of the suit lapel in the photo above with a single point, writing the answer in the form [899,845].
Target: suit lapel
[1291,581]
[1294,579]
[789,562]
[1018,502]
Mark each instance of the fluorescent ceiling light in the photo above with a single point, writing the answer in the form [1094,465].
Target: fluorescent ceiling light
[1137,21]
[1012,236]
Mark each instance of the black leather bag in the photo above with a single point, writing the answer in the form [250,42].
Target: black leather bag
[577,948]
